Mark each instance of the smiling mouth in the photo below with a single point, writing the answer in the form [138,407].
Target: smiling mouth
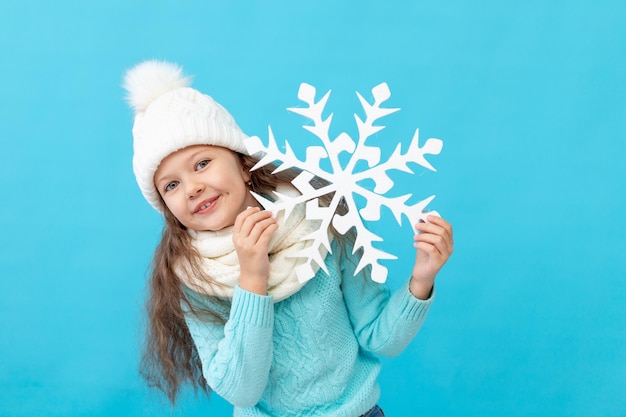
[205,206]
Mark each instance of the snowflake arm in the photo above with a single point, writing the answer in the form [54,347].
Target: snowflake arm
[364,240]
[366,128]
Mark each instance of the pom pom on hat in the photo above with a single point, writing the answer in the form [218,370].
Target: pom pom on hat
[169,115]
[149,80]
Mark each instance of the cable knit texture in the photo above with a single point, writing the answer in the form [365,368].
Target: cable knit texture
[312,354]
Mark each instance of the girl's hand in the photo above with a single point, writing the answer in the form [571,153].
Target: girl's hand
[434,246]
[251,235]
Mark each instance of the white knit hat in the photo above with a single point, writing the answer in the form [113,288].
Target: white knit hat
[169,115]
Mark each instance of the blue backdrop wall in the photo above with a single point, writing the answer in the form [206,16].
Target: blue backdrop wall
[529,98]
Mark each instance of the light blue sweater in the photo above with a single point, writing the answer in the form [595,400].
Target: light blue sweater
[312,354]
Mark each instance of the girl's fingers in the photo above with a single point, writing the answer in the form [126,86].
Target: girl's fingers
[260,228]
[267,234]
[428,248]
[247,219]
[437,227]
[442,245]
[254,229]
[434,244]
[443,224]
[241,217]
[434,237]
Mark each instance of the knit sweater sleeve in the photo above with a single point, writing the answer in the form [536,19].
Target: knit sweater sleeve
[384,323]
[236,356]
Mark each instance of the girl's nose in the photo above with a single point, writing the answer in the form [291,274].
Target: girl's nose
[194,189]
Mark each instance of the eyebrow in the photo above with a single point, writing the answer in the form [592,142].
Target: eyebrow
[188,159]
[195,154]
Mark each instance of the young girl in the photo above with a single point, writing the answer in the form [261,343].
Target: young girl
[226,310]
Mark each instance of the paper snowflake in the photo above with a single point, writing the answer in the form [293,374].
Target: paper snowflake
[344,180]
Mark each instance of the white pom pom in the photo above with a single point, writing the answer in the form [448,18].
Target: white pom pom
[150,79]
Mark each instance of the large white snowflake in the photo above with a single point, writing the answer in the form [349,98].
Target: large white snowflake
[344,180]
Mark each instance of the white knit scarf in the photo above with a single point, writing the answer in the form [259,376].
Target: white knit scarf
[219,259]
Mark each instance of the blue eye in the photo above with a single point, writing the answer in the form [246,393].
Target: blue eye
[170,186]
[202,164]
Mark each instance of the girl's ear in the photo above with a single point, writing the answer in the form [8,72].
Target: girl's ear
[245,168]
[246,175]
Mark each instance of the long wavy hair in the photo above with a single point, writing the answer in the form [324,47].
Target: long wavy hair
[169,357]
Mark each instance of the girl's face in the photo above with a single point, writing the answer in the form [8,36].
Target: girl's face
[204,186]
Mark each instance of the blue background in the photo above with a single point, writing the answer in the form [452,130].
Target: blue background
[529,98]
